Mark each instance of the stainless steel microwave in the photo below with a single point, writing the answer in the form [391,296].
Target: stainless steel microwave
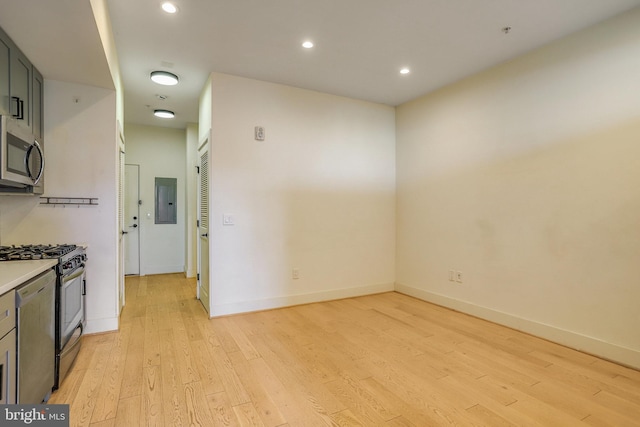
[21,159]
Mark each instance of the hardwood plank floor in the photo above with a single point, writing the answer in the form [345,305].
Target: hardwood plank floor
[379,360]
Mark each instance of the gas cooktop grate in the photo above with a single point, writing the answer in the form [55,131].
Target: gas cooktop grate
[26,252]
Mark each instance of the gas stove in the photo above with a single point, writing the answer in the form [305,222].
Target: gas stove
[27,252]
[69,300]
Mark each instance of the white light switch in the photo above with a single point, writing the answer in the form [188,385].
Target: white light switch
[227,219]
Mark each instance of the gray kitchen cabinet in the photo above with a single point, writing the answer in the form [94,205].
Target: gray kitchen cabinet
[37,105]
[21,87]
[5,66]
[8,348]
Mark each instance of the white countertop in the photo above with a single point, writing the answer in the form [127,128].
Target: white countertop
[15,273]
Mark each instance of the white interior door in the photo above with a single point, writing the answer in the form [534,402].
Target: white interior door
[203,226]
[132,219]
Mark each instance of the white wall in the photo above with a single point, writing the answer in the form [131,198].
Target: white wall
[160,152]
[100,11]
[81,159]
[204,112]
[316,195]
[526,179]
[191,183]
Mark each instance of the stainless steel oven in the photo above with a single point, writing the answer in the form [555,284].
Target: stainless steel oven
[72,315]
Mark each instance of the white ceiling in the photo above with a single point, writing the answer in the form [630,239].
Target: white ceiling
[360,44]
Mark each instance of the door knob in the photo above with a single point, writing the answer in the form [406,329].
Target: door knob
[205,235]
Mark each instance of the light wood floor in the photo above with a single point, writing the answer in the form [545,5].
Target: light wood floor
[381,360]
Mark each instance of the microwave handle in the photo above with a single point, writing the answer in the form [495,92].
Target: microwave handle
[39,175]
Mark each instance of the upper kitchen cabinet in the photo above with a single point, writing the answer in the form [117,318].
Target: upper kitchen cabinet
[5,66]
[37,103]
[20,78]
[21,87]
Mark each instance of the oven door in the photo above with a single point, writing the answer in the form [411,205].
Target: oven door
[71,303]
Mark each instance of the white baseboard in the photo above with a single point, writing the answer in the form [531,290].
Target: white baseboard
[95,326]
[163,269]
[290,300]
[594,346]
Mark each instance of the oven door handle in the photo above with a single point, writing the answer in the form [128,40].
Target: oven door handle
[79,272]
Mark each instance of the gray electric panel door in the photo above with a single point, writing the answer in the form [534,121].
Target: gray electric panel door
[166,200]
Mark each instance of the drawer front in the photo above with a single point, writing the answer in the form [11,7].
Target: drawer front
[7,312]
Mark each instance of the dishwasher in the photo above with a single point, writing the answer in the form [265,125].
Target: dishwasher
[35,307]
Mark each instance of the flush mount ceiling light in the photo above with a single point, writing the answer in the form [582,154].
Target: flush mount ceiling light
[169,7]
[164,114]
[164,78]
[405,71]
[307,45]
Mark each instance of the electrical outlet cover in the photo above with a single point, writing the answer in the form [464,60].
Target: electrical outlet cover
[259,133]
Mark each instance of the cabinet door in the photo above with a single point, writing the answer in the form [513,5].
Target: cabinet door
[5,55]
[8,368]
[21,88]
[37,105]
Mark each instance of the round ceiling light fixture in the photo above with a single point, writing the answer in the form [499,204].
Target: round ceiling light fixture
[169,7]
[307,45]
[164,78]
[164,114]
[405,71]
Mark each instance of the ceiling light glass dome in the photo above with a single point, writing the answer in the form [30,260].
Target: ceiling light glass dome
[165,114]
[164,78]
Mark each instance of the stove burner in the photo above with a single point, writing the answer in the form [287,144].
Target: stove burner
[26,252]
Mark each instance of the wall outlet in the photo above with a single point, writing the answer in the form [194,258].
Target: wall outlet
[295,273]
[227,219]
[459,276]
[452,275]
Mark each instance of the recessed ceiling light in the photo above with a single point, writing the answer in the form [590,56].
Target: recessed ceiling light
[405,71]
[169,7]
[165,114]
[164,78]
[307,45]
